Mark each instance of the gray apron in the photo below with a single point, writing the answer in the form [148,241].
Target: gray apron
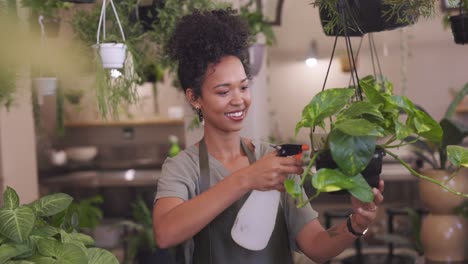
[214,245]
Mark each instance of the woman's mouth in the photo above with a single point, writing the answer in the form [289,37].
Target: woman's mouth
[236,116]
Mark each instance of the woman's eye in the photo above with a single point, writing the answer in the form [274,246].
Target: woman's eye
[222,92]
[244,88]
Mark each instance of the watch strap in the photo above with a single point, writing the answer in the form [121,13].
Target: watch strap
[350,227]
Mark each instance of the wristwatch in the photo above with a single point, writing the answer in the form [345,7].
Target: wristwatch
[350,227]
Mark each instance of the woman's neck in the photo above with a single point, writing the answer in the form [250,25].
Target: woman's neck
[223,146]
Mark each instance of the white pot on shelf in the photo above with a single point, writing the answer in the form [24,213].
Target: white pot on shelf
[44,86]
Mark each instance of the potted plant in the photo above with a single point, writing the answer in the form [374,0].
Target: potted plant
[139,237]
[364,16]
[438,244]
[459,23]
[358,117]
[28,233]
[47,14]
[262,33]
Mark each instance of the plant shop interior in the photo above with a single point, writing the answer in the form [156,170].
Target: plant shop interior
[91,107]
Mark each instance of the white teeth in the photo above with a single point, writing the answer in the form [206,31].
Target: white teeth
[235,114]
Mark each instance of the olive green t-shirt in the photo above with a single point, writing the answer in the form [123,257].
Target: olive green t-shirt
[180,178]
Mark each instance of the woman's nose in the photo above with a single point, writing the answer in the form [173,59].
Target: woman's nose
[237,98]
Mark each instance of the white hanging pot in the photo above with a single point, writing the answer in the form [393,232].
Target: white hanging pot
[44,86]
[256,52]
[112,54]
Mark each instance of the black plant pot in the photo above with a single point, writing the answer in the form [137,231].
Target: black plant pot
[459,25]
[363,16]
[371,173]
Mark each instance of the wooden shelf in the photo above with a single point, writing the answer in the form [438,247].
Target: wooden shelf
[141,122]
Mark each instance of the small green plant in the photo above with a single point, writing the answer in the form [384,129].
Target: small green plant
[46,7]
[28,233]
[257,23]
[140,237]
[357,119]
[7,86]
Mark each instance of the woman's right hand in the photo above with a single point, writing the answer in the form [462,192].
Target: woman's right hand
[270,171]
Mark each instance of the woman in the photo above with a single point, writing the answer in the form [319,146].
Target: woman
[202,189]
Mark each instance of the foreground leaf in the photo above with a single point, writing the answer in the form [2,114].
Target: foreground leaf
[330,180]
[362,190]
[101,256]
[17,224]
[51,204]
[457,155]
[10,199]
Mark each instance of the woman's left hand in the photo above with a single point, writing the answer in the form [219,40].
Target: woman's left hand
[365,213]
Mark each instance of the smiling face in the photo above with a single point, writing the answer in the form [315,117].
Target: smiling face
[225,96]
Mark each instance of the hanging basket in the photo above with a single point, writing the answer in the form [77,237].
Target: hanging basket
[459,26]
[362,16]
[112,54]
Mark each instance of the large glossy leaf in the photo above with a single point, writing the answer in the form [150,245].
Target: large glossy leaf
[323,105]
[362,190]
[101,256]
[457,155]
[51,204]
[17,224]
[10,199]
[329,180]
[427,127]
[9,251]
[63,252]
[359,127]
[293,188]
[372,94]
[359,109]
[403,103]
[43,260]
[351,154]
[403,131]
[20,262]
[45,231]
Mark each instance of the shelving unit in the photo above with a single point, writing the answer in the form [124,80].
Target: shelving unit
[141,122]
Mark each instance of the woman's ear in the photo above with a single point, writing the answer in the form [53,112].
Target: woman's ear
[191,98]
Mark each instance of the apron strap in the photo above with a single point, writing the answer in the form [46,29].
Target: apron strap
[205,179]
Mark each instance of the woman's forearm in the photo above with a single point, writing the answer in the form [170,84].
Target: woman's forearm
[325,244]
[176,221]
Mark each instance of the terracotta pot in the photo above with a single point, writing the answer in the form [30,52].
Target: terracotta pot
[438,200]
[444,235]
[445,238]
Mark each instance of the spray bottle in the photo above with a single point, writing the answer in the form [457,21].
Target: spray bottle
[256,219]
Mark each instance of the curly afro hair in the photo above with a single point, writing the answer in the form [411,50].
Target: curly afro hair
[203,38]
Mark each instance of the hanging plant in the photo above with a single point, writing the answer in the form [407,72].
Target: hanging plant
[7,86]
[364,16]
[459,23]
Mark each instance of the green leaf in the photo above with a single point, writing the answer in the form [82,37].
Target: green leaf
[427,127]
[323,105]
[51,204]
[293,188]
[10,198]
[17,224]
[85,239]
[358,109]
[9,251]
[101,256]
[352,154]
[457,155]
[20,262]
[372,94]
[45,231]
[63,252]
[43,260]
[362,190]
[329,180]
[359,127]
